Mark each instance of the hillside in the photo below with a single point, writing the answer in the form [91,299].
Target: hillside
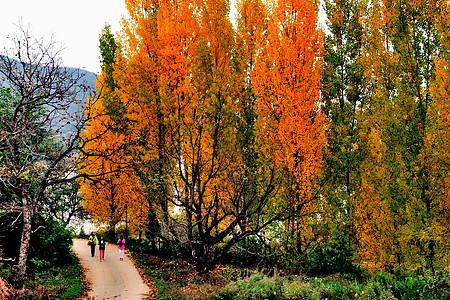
[86,78]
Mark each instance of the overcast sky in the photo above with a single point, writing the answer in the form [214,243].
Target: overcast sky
[76,24]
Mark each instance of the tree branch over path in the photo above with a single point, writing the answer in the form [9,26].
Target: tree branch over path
[41,125]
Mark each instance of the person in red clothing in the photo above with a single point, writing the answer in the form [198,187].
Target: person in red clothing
[101,248]
[121,243]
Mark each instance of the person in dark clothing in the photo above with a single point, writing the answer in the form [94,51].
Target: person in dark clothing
[101,248]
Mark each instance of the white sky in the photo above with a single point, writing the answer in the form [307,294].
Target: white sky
[75,24]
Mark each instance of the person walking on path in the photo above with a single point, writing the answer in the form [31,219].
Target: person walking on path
[101,248]
[121,243]
[92,242]
[115,279]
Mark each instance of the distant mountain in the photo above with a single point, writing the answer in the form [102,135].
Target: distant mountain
[85,78]
[88,79]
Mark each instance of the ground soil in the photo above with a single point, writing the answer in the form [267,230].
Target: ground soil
[5,292]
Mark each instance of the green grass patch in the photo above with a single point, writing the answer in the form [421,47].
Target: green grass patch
[63,282]
[380,287]
[177,279]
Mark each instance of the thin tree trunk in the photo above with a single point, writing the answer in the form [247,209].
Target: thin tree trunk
[24,244]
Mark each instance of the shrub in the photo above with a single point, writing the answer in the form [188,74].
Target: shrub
[418,286]
[255,287]
[335,255]
[50,244]
[55,283]
[249,253]
[224,295]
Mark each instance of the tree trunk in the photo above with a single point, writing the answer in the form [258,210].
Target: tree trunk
[112,231]
[24,245]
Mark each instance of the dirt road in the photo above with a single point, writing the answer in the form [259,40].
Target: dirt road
[111,278]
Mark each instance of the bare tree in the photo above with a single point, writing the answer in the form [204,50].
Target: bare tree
[39,136]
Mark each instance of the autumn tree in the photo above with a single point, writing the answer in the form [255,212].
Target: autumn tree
[199,85]
[398,213]
[437,133]
[251,30]
[221,199]
[343,97]
[290,124]
[138,74]
[36,150]
[190,115]
[114,194]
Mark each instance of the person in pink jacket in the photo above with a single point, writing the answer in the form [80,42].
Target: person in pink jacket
[121,243]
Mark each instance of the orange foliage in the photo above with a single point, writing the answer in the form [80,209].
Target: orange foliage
[114,193]
[181,71]
[287,82]
[291,126]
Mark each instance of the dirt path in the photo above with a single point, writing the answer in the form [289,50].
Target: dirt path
[111,278]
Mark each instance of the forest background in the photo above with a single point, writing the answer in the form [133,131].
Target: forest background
[319,152]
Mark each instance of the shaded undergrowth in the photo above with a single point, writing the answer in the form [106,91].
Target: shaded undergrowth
[175,278]
[56,282]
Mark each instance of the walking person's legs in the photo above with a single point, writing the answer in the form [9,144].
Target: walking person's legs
[92,250]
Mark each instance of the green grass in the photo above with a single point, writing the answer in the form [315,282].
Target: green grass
[378,287]
[177,279]
[64,282]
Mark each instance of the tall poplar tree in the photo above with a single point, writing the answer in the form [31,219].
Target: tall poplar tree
[397,210]
[113,193]
[251,30]
[290,124]
[437,140]
[343,98]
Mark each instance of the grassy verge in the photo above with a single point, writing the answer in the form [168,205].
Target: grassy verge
[381,286]
[177,279]
[57,282]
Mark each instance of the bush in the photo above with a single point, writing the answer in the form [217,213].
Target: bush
[55,283]
[249,253]
[255,287]
[50,245]
[224,295]
[418,286]
[334,256]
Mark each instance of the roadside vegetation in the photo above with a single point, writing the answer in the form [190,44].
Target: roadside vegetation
[54,272]
[266,159]
[56,282]
[175,278]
